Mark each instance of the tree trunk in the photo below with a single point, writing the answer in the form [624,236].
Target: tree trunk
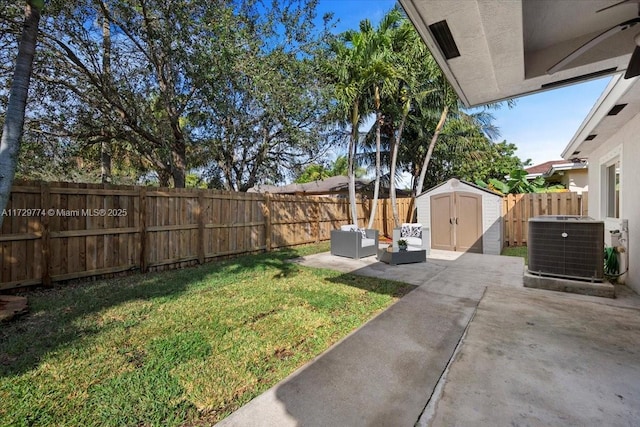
[352,158]
[432,144]
[14,115]
[179,166]
[392,180]
[105,146]
[164,178]
[376,187]
[105,162]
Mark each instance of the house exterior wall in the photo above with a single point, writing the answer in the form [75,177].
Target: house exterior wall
[624,145]
[576,180]
[491,213]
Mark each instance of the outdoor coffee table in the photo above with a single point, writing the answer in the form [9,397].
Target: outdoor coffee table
[401,257]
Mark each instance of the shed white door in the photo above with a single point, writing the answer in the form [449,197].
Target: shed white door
[456,222]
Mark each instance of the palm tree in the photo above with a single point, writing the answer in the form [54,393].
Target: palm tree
[390,72]
[14,116]
[348,72]
[411,88]
[364,79]
[384,44]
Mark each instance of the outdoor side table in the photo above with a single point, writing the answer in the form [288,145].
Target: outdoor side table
[401,257]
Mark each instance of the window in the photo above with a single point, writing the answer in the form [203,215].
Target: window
[612,189]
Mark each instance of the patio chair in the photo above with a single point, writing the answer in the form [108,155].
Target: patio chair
[352,242]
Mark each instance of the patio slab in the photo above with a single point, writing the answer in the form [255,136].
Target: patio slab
[534,357]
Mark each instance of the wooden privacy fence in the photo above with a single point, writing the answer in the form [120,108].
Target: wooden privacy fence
[518,208]
[61,231]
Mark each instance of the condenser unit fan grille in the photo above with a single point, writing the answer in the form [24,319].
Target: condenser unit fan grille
[563,246]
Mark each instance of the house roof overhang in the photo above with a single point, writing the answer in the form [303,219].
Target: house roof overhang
[506,49]
[600,124]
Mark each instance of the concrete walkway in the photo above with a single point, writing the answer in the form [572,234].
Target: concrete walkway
[468,346]
[385,372]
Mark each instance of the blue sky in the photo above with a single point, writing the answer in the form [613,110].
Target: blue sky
[540,125]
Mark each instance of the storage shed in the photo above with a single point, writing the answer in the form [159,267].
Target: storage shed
[461,217]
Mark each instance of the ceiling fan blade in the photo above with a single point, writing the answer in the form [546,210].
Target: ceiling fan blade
[613,5]
[591,43]
[633,69]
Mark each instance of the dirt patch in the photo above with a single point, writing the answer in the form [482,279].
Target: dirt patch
[12,306]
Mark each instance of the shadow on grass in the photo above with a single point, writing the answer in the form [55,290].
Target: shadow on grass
[53,321]
[380,286]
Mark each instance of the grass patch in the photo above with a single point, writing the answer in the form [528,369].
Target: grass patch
[520,251]
[179,347]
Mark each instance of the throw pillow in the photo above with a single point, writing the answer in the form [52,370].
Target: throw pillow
[416,231]
[405,231]
[363,231]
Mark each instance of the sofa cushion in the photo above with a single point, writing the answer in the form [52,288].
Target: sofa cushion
[413,241]
[411,229]
[368,242]
[349,227]
[405,230]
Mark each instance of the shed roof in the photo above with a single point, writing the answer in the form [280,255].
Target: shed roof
[475,186]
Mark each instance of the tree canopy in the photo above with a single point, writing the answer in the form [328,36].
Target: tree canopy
[231,94]
[230,89]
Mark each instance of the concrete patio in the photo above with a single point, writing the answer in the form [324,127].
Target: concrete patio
[469,346]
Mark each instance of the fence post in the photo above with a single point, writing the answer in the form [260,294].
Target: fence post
[200,218]
[267,221]
[143,229]
[45,204]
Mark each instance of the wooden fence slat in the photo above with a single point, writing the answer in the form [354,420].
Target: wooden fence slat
[142,241]
[266,213]
[45,204]
[518,208]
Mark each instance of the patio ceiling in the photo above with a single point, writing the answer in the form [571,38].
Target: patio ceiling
[506,48]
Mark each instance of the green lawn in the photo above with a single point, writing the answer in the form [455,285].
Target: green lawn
[520,251]
[179,347]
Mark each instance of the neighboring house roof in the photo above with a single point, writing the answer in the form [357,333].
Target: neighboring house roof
[331,185]
[549,168]
[491,50]
[618,104]
[542,167]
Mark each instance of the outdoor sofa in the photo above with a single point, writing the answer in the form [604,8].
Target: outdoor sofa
[352,242]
